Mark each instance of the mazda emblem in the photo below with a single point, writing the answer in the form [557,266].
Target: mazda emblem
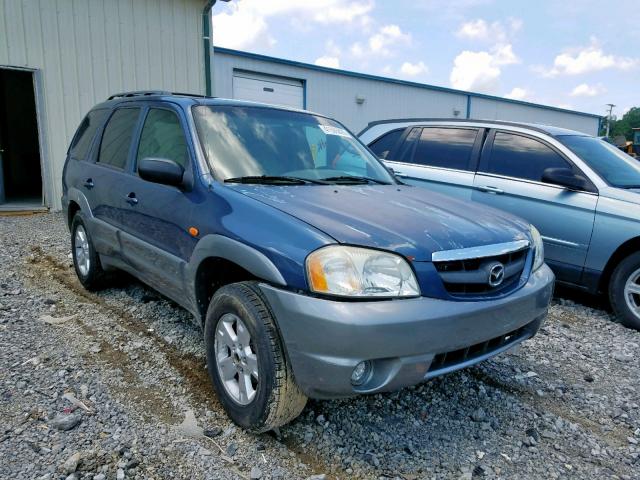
[496,274]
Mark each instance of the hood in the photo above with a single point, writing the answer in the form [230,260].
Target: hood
[409,220]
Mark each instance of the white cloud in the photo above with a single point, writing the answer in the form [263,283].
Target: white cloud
[240,29]
[357,50]
[382,42]
[480,71]
[386,37]
[518,93]
[475,29]
[413,69]
[326,61]
[587,59]
[503,55]
[244,24]
[480,29]
[340,12]
[585,90]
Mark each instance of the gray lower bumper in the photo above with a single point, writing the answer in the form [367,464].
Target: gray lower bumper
[326,339]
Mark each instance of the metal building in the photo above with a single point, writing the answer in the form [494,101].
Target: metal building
[357,99]
[58,58]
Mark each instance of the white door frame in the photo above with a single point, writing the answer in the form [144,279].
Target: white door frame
[46,169]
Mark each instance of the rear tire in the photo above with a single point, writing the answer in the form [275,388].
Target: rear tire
[246,360]
[85,258]
[624,291]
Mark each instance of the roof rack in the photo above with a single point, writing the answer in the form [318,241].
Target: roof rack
[138,93]
[532,126]
[146,93]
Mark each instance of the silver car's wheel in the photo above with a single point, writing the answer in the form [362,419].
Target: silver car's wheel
[82,254]
[632,292]
[236,359]
[624,291]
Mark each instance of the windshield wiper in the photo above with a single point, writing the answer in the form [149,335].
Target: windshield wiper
[355,179]
[273,179]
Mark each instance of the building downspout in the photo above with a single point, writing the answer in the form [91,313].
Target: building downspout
[208,47]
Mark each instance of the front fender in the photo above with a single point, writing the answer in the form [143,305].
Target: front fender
[616,223]
[237,252]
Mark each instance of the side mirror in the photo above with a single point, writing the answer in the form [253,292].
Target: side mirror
[161,170]
[564,177]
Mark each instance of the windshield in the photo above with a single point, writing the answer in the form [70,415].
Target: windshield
[614,166]
[255,143]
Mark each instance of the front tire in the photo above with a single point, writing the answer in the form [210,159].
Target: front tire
[85,258]
[246,360]
[624,291]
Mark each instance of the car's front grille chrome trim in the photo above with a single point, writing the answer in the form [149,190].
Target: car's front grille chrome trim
[484,251]
[467,272]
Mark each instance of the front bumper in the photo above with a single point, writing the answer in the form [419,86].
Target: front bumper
[326,339]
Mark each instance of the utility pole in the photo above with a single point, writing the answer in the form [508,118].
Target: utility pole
[610,105]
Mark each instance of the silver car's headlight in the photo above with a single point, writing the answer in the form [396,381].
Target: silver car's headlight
[538,248]
[360,272]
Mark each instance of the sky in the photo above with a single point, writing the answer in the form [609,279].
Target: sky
[574,54]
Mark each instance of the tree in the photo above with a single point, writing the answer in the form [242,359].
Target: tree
[629,120]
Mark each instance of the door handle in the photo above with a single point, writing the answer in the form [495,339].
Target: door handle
[400,174]
[131,199]
[490,189]
[89,183]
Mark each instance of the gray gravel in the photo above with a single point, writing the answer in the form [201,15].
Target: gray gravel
[113,385]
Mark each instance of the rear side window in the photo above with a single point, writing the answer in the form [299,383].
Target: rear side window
[383,145]
[522,157]
[163,137]
[445,147]
[116,140]
[84,135]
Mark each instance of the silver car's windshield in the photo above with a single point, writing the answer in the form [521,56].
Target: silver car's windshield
[614,166]
[264,145]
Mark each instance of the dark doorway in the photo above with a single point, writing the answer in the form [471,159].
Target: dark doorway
[20,171]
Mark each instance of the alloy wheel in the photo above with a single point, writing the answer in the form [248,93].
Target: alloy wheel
[81,245]
[236,359]
[632,292]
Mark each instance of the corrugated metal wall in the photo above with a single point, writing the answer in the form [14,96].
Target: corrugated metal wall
[334,94]
[85,50]
[494,110]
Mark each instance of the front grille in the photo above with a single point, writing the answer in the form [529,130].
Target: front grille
[470,276]
[450,359]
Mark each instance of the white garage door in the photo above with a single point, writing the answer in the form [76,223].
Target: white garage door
[268,89]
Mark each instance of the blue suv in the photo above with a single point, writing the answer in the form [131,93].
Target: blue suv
[312,271]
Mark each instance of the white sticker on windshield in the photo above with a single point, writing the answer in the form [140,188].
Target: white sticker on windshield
[329,130]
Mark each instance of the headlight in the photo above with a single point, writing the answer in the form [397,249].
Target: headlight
[538,248]
[360,272]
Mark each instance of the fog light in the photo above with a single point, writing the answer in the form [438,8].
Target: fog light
[361,373]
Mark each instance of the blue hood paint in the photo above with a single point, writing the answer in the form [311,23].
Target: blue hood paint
[411,221]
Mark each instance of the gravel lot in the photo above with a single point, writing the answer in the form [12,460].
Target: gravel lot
[113,385]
